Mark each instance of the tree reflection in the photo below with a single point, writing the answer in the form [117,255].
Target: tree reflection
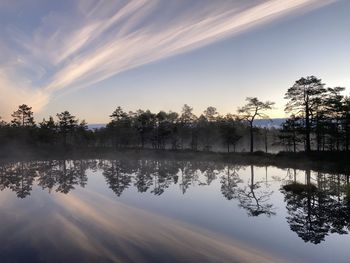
[230,181]
[144,176]
[20,177]
[165,175]
[316,207]
[189,175]
[317,210]
[62,175]
[47,175]
[117,176]
[69,174]
[255,199]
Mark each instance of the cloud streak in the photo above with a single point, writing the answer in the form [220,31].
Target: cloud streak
[96,40]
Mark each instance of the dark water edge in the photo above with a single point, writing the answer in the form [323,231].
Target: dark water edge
[327,162]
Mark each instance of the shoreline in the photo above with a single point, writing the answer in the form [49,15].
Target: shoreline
[320,161]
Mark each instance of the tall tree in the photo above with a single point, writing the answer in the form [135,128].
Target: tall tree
[289,133]
[187,116]
[304,97]
[120,126]
[118,114]
[346,122]
[187,126]
[67,123]
[253,109]
[23,116]
[145,122]
[333,105]
[47,131]
[207,127]
[2,122]
[211,114]
[229,131]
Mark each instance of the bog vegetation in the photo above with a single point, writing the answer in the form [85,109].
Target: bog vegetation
[319,121]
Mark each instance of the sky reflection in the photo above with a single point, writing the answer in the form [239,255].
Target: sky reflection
[149,210]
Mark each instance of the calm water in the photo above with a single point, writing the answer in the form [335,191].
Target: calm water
[170,211]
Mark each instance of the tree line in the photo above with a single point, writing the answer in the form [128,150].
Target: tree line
[141,129]
[319,120]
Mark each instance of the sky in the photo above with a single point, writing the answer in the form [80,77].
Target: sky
[90,56]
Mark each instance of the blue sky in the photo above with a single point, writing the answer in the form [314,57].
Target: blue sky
[90,56]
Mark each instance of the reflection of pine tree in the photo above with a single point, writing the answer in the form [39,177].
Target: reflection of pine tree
[80,167]
[117,176]
[314,212]
[18,176]
[47,174]
[208,169]
[340,208]
[188,175]
[307,209]
[67,176]
[229,183]
[144,179]
[255,201]
[346,204]
[166,174]
[21,177]
[160,184]
[5,176]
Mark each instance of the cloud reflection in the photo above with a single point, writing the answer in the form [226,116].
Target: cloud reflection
[140,235]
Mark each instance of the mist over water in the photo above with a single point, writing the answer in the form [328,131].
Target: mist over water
[149,210]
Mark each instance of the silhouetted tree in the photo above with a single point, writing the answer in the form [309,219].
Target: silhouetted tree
[145,123]
[229,131]
[346,121]
[332,114]
[188,127]
[304,97]
[120,127]
[23,117]
[290,133]
[47,131]
[82,135]
[253,109]
[67,124]
[23,126]
[211,114]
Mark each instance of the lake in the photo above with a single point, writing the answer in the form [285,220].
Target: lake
[139,210]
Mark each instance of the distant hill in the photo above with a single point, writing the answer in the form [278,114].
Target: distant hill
[96,126]
[276,123]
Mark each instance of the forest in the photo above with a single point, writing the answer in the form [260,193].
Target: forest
[319,120]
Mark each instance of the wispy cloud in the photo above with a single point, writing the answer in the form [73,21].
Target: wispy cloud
[95,40]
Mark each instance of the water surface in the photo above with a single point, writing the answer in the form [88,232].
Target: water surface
[170,211]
